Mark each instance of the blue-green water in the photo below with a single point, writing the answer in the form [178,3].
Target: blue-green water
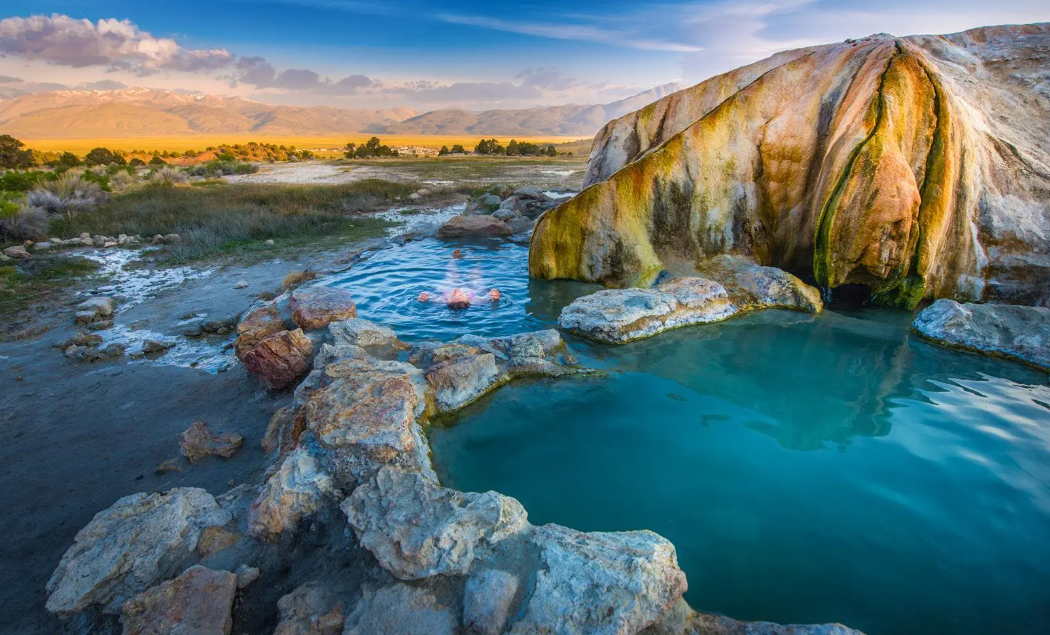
[808,469]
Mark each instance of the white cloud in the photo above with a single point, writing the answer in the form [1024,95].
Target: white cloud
[63,40]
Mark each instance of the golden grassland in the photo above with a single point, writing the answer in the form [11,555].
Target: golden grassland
[324,146]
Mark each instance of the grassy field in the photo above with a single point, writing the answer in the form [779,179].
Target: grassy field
[238,219]
[326,146]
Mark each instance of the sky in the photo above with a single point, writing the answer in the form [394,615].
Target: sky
[433,54]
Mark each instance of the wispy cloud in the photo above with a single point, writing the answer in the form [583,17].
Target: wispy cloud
[571,31]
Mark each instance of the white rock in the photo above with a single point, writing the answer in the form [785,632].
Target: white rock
[1004,330]
[139,541]
[297,490]
[417,529]
[402,610]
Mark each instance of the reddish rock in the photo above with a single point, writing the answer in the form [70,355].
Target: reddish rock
[199,440]
[279,360]
[198,602]
[317,307]
[260,323]
[474,225]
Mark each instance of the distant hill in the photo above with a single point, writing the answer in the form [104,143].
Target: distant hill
[551,120]
[141,112]
[144,112]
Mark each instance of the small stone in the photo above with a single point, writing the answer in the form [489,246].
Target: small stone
[171,465]
[310,610]
[156,345]
[94,309]
[198,441]
[246,575]
[269,242]
[241,284]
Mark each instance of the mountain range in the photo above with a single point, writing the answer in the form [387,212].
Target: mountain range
[144,112]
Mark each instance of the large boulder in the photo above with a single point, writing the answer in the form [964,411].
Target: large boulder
[364,415]
[317,307]
[883,162]
[1015,332]
[622,315]
[139,541]
[459,381]
[260,323]
[417,529]
[612,583]
[280,359]
[474,225]
[198,602]
[295,491]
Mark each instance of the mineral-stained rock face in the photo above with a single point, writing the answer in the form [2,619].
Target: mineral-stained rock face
[139,541]
[884,162]
[1016,332]
[280,359]
[198,602]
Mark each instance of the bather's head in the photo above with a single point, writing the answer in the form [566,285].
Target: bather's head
[457,299]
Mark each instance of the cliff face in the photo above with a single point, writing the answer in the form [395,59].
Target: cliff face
[916,166]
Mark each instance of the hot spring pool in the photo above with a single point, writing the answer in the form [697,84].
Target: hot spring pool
[808,469]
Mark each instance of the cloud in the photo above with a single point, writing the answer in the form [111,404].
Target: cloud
[66,41]
[104,84]
[257,72]
[7,79]
[624,37]
[547,79]
[477,92]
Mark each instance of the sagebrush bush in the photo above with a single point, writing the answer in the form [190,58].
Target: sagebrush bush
[67,195]
[168,176]
[122,181]
[24,223]
[222,167]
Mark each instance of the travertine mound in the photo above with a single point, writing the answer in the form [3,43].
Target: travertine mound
[917,167]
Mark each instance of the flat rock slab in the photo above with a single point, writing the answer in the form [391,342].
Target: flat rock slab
[474,225]
[401,609]
[198,602]
[317,307]
[615,316]
[1015,332]
[620,315]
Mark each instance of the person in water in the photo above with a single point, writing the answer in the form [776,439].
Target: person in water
[461,299]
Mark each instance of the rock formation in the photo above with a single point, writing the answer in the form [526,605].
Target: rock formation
[916,167]
[1021,333]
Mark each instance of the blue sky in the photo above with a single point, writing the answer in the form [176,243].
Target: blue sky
[440,53]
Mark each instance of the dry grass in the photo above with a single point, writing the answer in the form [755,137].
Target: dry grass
[296,278]
[182,143]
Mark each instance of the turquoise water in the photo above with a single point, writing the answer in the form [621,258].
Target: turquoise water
[808,469]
